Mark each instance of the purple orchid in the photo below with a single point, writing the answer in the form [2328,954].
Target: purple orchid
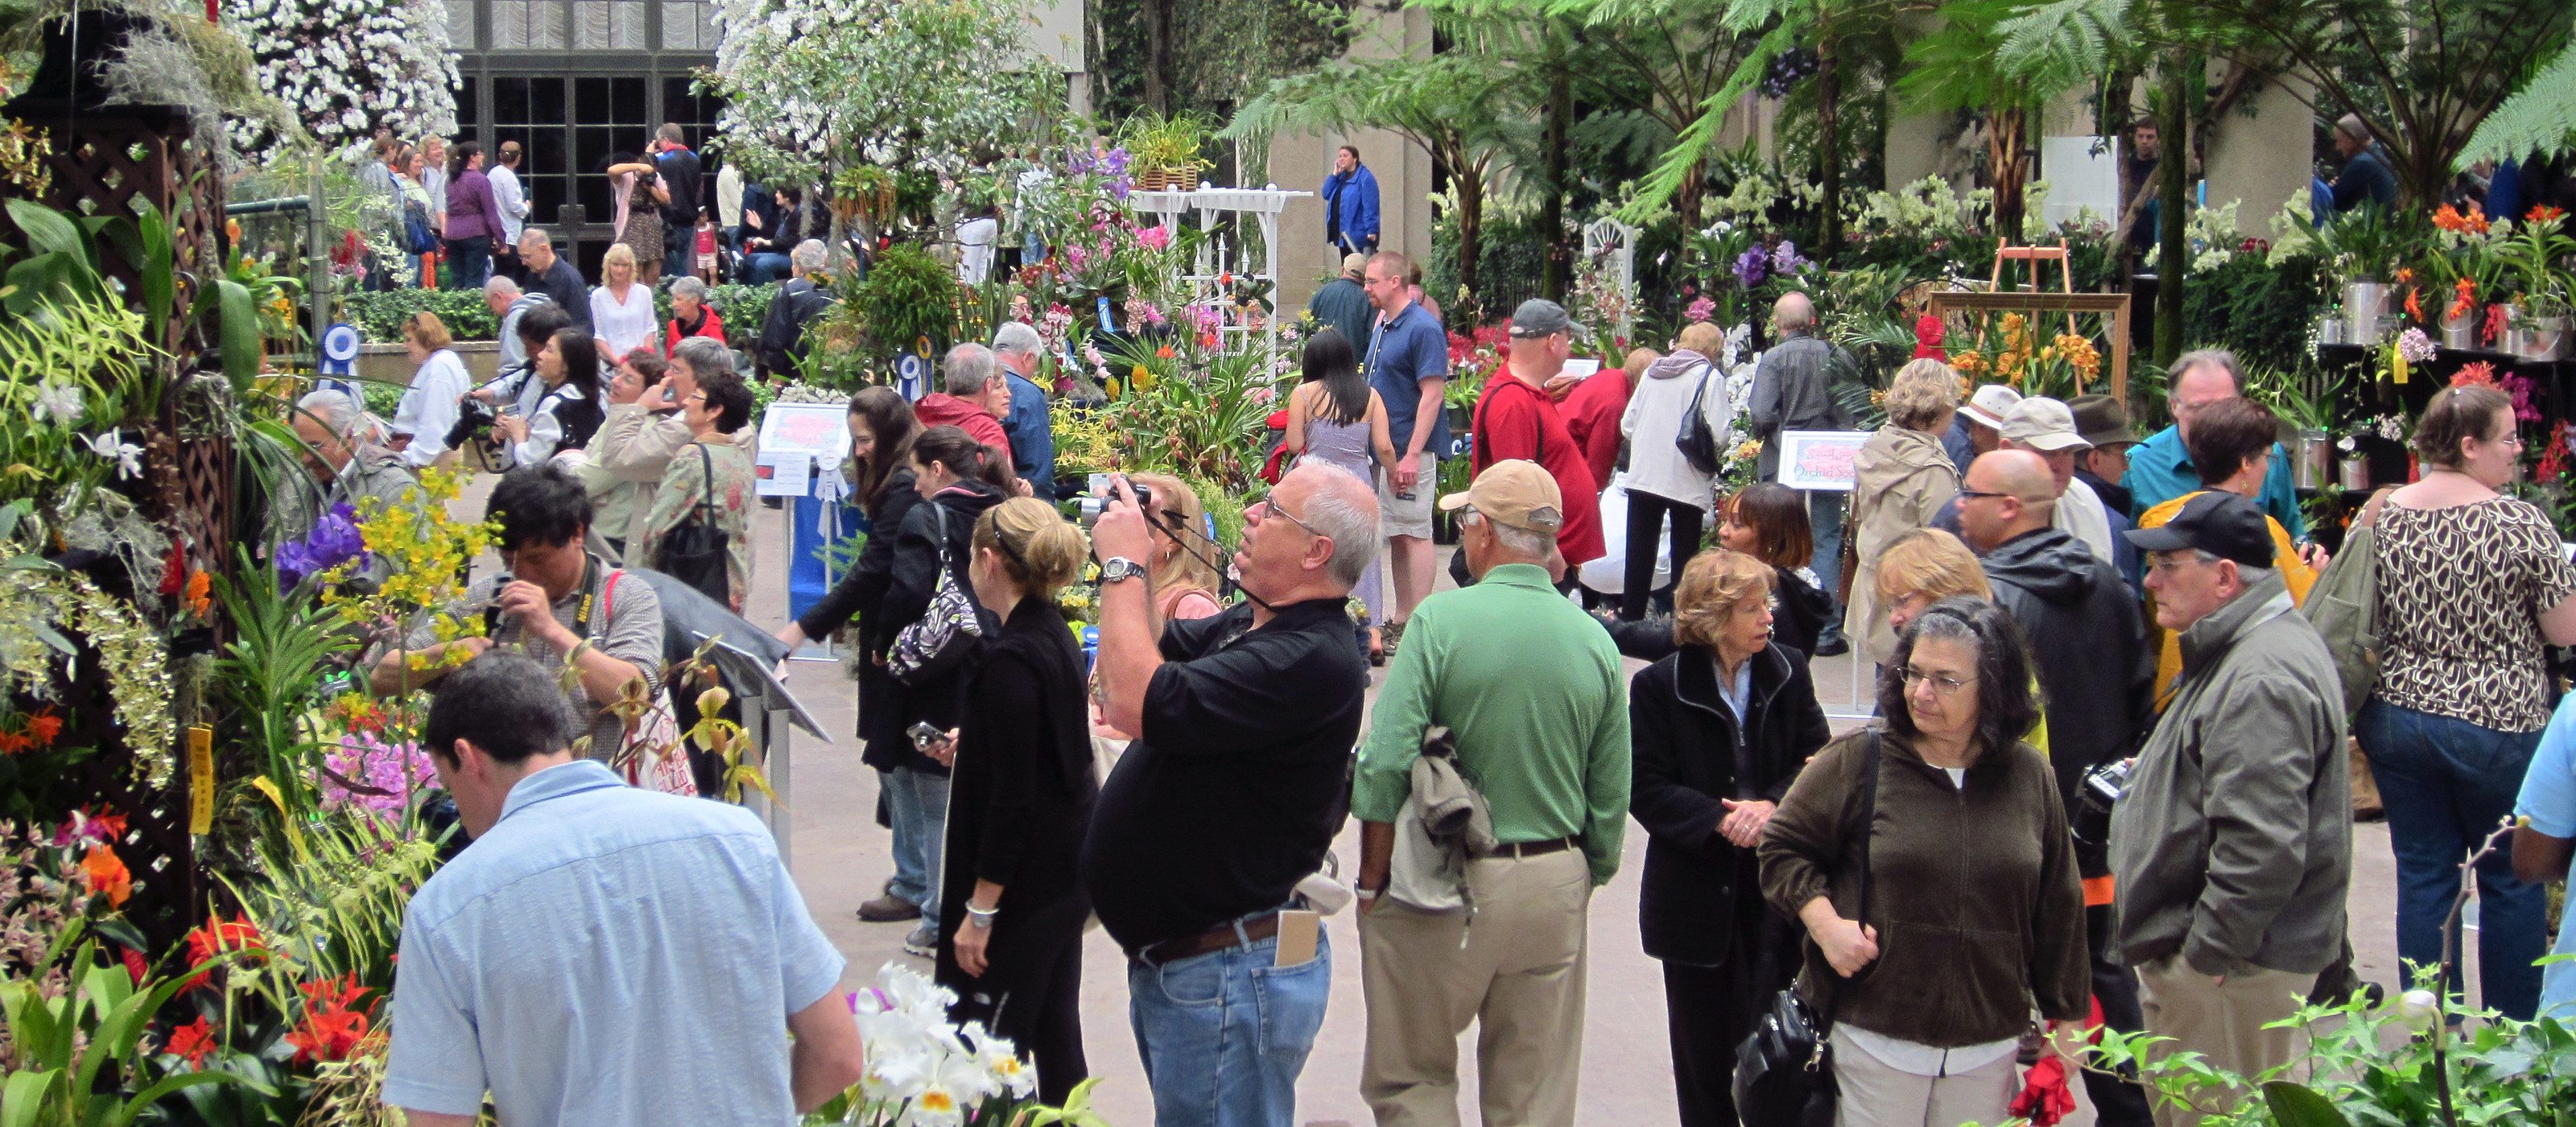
[1751,268]
[335,540]
[1785,258]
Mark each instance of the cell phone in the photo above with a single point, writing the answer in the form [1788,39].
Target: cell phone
[923,735]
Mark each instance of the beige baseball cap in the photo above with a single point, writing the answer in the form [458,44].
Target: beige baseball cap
[2042,423]
[1516,492]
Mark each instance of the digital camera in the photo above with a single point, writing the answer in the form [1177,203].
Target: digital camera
[1091,505]
[2102,789]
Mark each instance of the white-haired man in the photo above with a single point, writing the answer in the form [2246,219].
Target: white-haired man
[1230,795]
[345,453]
[508,303]
[799,300]
[973,398]
[1018,349]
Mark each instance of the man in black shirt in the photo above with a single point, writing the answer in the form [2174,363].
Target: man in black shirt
[550,275]
[680,170]
[1229,795]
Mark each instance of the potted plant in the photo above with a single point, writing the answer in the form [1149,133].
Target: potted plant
[2531,257]
[1165,149]
[2306,404]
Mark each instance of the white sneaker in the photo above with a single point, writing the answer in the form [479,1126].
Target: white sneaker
[922,940]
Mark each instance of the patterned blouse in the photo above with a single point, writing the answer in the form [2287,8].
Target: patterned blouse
[684,485]
[2461,590]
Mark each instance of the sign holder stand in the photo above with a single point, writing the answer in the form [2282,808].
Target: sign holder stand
[769,713]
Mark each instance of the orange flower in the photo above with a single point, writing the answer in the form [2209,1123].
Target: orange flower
[2413,308]
[193,1042]
[2464,298]
[2475,374]
[327,1036]
[332,993]
[217,937]
[107,875]
[43,727]
[2450,219]
[2543,213]
[195,594]
[1163,353]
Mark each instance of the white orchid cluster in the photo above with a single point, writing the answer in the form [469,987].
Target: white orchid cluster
[815,86]
[922,1071]
[346,67]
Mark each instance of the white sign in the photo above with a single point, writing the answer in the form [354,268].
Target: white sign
[783,473]
[816,430]
[1819,459]
[1581,369]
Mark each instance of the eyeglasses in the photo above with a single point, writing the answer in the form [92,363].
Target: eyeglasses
[1943,685]
[1269,507]
[1968,494]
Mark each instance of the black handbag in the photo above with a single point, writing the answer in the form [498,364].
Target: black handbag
[695,552]
[1784,1072]
[1698,440]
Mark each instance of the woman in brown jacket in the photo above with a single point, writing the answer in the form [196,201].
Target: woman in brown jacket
[1960,911]
[1899,479]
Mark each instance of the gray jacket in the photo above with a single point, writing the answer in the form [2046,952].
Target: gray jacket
[1793,390]
[2234,843]
[1443,826]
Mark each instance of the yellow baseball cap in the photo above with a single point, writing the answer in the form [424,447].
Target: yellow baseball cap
[1514,492]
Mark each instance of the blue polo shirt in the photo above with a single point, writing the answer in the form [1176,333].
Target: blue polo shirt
[606,955]
[2160,470]
[2549,800]
[1401,354]
[1032,436]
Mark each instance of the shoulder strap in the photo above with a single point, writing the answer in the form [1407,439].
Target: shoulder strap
[1868,822]
[707,487]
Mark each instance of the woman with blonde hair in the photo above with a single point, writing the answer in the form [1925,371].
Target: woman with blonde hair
[1720,730]
[428,409]
[1926,566]
[1012,905]
[621,308]
[1184,565]
[1899,479]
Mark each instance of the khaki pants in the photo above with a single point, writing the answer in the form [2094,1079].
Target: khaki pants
[1874,1095]
[1519,977]
[2223,1023]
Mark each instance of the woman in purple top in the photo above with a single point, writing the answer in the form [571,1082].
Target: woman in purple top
[473,221]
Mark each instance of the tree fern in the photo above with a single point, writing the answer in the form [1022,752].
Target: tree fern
[2541,117]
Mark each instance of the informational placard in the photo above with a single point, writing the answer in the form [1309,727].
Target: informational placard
[784,473]
[816,430]
[1819,459]
[1580,368]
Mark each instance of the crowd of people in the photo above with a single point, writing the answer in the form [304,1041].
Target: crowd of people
[2106,785]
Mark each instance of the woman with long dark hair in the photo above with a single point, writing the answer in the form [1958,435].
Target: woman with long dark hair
[1334,416]
[1010,929]
[568,411]
[882,429]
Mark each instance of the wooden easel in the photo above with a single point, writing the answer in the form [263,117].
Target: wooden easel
[2037,258]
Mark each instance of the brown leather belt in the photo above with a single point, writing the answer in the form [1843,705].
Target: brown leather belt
[1523,850]
[1219,938]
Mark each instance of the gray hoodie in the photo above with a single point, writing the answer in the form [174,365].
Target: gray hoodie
[2234,843]
[1653,420]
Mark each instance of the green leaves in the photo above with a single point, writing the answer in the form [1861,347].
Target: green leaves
[2539,118]
[2294,1106]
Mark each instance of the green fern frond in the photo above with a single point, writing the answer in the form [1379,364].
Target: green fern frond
[2541,117]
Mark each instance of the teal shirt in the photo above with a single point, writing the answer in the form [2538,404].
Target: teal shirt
[1531,687]
[2160,470]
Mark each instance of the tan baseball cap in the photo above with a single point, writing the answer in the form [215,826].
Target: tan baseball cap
[1514,492]
[2042,423]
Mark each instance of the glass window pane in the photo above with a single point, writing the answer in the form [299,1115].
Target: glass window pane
[548,25]
[509,25]
[469,111]
[546,101]
[627,25]
[626,95]
[460,24]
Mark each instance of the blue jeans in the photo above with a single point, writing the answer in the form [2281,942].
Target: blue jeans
[1825,514]
[918,802]
[760,267]
[2448,784]
[469,263]
[1224,1035]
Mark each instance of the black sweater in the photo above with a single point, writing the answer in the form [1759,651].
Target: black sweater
[913,580]
[1020,800]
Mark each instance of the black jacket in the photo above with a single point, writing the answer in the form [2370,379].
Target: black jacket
[857,596]
[2089,647]
[1802,609]
[913,579]
[562,284]
[1020,802]
[782,333]
[1701,893]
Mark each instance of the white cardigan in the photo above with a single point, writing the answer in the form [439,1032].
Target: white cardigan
[1654,419]
[621,327]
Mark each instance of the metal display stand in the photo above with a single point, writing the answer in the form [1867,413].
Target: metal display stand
[769,713]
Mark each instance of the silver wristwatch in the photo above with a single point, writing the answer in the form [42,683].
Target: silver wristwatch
[1116,568]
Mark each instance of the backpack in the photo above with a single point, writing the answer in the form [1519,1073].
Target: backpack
[418,237]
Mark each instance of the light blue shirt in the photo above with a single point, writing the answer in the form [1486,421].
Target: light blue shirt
[2160,470]
[606,955]
[2549,800]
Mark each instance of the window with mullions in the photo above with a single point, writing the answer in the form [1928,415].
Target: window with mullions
[610,119]
[531,112]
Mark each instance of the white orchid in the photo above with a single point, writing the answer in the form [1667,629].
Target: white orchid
[1001,1060]
[127,456]
[60,401]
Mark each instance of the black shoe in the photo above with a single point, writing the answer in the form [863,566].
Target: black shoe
[1835,646]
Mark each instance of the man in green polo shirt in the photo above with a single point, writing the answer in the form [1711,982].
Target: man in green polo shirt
[1531,688]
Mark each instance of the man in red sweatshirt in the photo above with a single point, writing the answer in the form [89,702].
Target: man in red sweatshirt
[1515,418]
[976,400]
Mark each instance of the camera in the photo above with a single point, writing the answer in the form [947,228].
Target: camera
[2103,788]
[473,421]
[923,735]
[1097,501]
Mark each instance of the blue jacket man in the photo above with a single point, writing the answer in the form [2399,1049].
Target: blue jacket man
[1350,204]
[1017,348]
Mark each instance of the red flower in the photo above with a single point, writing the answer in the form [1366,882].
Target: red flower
[216,938]
[332,993]
[14,743]
[193,1042]
[1928,331]
[2464,298]
[1163,353]
[2497,318]
[2475,374]
[2543,213]
[43,727]
[2414,309]
[327,1036]
[174,570]
[134,964]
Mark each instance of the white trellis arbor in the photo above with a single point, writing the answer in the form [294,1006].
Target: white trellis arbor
[1219,260]
[1607,237]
